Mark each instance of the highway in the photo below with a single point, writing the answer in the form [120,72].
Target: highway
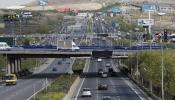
[120,87]
[26,87]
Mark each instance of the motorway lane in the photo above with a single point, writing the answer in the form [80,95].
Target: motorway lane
[28,86]
[120,88]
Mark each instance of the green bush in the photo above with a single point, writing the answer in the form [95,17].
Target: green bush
[78,64]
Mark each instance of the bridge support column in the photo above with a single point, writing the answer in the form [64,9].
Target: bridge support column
[12,64]
[19,64]
[8,67]
[16,65]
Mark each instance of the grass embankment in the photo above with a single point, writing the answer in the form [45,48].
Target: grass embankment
[78,64]
[58,89]
[150,68]
[32,63]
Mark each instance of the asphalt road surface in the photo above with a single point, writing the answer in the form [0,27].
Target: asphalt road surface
[119,87]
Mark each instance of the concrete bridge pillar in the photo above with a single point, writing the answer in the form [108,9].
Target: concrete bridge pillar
[12,64]
[16,65]
[8,67]
[19,64]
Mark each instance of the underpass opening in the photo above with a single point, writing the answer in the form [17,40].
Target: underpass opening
[102,54]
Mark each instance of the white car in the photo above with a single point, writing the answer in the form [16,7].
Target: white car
[86,92]
[108,65]
[99,59]
[104,75]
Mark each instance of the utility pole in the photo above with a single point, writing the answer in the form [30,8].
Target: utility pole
[149,27]
[162,65]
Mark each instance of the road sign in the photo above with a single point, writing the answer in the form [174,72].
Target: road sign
[113,24]
[145,22]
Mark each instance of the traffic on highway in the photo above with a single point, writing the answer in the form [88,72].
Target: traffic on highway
[87,50]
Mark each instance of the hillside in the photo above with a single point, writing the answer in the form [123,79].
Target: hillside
[86,4]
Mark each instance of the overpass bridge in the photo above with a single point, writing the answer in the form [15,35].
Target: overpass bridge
[14,57]
[88,35]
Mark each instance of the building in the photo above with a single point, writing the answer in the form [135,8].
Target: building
[166,8]
[64,10]
[149,7]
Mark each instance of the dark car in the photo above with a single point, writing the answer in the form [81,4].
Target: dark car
[100,71]
[102,87]
[54,69]
[110,70]
[59,63]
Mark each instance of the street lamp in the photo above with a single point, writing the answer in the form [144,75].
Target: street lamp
[162,66]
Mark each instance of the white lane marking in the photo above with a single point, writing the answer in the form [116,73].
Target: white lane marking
[113,84]
[82,80]
[132,86]
[96,78]
[39,90]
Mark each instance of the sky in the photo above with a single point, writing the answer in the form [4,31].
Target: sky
[7,3]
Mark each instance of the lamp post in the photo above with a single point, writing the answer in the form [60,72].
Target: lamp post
[162,68]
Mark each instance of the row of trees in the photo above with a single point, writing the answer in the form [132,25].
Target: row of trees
[149,65]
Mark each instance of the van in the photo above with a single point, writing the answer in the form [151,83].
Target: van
[9,79]
[4,46]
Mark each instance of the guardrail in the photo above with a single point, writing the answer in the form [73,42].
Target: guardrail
[96,47]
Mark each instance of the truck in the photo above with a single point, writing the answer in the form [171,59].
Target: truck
[4,46]
[172,38]
[67,46]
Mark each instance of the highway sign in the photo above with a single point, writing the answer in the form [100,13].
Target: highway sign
[145,22]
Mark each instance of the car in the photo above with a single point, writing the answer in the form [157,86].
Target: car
[100,71]
[108,65]
[102,87]
[86,92]
[106,98]
[110,70]
[54,69]
[59,63]
[99,59]
[9,79]
[104,75]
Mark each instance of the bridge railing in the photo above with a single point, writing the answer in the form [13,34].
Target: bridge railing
[95,47]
